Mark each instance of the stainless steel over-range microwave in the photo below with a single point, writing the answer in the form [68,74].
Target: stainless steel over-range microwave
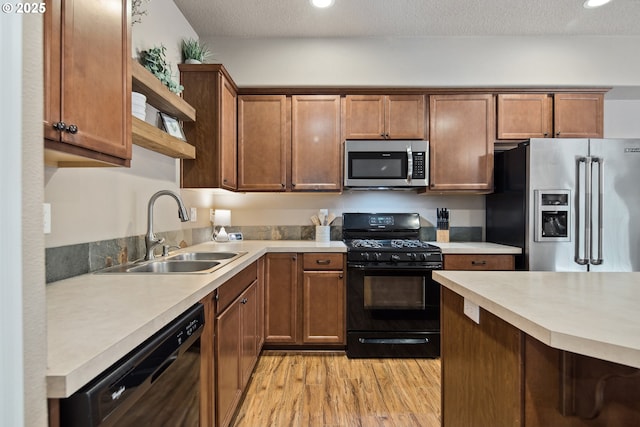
[386,163]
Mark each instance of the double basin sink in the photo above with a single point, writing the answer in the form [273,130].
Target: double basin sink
[181,263]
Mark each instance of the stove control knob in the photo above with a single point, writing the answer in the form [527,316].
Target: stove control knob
[423,256]
[412,256]
[376,256]
[395,258]
[365,256]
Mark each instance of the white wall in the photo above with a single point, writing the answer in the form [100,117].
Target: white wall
[431,61]
[22,284]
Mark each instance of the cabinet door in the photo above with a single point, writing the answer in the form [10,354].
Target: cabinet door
[228,370]
[315,143]
[228,134]
[93,85]
[405,117]
[281,298]
[364,117]
[249,312]
[523,116]
[462,130]
[578,115]
[323,307]
[213,96]
[263,142]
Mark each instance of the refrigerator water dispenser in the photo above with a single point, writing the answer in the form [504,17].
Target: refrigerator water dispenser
[553,215]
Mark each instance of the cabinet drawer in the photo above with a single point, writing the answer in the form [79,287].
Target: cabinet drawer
[323,261]
[233,287]
[479,262]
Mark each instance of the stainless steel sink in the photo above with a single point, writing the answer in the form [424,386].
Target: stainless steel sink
[204,256]
[180,263]
[169,266]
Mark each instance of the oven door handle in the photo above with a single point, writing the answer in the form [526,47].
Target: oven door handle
[393,340]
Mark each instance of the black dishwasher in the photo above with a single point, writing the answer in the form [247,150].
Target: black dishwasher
[156,384]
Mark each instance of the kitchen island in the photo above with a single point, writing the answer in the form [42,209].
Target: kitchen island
[540,348]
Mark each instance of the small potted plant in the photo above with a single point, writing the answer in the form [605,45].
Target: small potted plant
[155,61]
[194,52]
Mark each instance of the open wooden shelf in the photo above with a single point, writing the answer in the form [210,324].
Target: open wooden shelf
[158,95]
[152,138]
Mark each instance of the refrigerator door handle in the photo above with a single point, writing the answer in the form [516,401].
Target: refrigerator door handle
[600,163]
[587,206]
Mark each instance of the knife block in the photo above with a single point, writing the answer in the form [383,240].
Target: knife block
[442,236]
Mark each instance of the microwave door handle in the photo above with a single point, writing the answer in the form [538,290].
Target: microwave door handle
[409,164]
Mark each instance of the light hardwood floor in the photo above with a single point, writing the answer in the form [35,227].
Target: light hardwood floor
[328,389]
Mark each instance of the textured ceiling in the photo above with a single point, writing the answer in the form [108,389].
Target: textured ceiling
[409,18]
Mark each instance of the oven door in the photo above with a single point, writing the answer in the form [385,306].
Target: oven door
[392,313]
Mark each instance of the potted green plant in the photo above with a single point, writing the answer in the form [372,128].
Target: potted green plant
[194,52]
[155,60]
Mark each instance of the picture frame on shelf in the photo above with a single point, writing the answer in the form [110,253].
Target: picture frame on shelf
[172,126]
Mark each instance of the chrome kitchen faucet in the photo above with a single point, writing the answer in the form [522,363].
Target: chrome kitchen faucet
[150,239]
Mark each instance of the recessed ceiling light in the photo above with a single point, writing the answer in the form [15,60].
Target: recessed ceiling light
[590,4]
[322,3]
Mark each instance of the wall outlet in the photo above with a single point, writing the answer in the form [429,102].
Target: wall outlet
[46,217]
[193,215]
[212,215]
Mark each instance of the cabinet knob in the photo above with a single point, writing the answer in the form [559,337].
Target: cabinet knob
[244,301]
[293,184]
[323,261]
[546,134]
[557,133]
[283,185]
[340,276]
[294,258]
[474,262]
[72,129]
[59,126]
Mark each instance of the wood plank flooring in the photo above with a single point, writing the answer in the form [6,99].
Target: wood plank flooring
[329,390]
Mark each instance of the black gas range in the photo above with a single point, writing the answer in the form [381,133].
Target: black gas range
[393,305]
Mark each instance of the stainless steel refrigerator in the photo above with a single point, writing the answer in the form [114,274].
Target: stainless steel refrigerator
[570,204]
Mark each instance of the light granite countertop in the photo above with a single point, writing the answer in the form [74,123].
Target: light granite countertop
[477,248]
[594,314]
[95,319]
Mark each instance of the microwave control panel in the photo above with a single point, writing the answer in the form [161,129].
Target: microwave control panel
[419,165]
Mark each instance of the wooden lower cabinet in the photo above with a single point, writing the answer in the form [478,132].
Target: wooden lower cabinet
[281,298]
[237,341]
[323,295]
[304,300]
[478,262]
[495,375]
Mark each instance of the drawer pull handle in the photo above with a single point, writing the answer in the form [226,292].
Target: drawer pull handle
[478,262]
[323,261]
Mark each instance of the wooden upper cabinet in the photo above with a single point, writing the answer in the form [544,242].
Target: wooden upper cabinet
[559,115]
[462,130]
[212,92]
[523,116]
[315,143]
[87,96]
[578,115]
[264,135]
[385,117]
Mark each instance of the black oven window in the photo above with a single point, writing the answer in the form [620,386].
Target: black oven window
[394,292]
